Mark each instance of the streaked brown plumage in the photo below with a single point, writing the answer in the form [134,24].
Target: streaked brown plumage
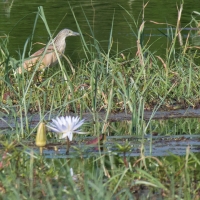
[50,57]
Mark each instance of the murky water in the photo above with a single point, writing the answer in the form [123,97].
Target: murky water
[165,135]
[34,119]
[17,20]
[151,146]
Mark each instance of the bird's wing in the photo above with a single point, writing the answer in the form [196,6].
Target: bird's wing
[41,51]
[48,59]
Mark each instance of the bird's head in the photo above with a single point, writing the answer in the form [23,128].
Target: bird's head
[66,33]
[59,40]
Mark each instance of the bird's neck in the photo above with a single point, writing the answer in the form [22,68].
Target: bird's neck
[60,44]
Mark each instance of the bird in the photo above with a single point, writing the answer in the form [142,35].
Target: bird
[47,56]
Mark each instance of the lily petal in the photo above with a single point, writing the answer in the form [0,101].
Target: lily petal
[67,126]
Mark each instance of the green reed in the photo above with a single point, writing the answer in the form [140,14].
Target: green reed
[108,81]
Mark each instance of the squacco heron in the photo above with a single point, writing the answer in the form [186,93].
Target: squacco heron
[47,56]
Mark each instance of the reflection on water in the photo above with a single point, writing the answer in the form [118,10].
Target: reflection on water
[22,15]
[175,122]
[7,6]
[162,137]
[151,146]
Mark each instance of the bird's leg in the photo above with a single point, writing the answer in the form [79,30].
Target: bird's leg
[39,75]
[68,145]
[40,78]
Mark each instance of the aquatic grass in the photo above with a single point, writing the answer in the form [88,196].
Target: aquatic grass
[106,82]
[171,127]
[39,177]
[143,72]
[114,83]
[98,62]
[24,91]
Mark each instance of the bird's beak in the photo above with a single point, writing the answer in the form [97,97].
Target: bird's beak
[75,34]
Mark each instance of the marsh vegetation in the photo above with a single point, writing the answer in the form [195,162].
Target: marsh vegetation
[110,82]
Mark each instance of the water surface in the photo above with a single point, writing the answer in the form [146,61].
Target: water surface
[17,19]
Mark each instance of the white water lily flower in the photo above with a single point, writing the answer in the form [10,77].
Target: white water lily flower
[66,125]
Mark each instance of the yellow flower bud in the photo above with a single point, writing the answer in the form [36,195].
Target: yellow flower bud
[41,138]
